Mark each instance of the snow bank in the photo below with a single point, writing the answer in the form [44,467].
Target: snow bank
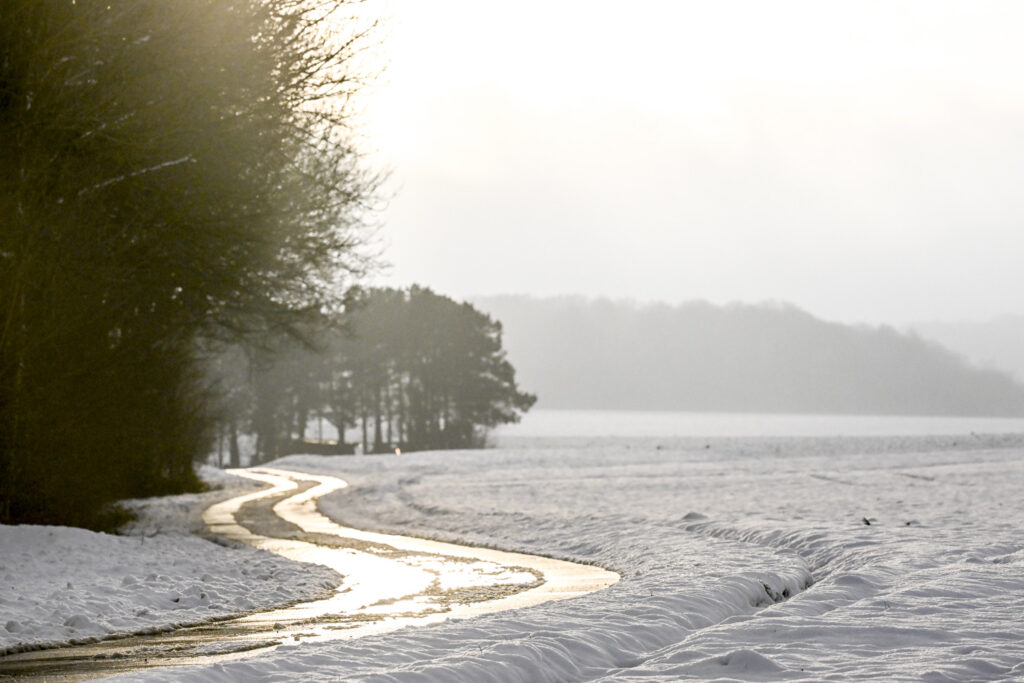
[60,585]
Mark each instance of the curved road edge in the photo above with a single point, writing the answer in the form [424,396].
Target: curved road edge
[363,585]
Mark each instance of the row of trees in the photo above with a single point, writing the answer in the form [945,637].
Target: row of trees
[175,177]
[409,369]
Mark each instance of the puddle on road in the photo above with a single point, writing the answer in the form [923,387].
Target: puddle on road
[388,582]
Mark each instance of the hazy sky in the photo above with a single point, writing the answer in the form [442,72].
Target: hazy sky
[862,160]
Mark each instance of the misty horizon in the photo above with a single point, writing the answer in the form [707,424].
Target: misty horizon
[908,324]
[862,162]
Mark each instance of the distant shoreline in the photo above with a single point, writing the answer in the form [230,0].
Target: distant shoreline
[564,422]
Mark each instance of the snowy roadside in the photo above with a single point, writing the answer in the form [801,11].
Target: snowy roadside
[64,585]
[795,559]
[913,547]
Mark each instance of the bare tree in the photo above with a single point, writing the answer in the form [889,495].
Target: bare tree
[171,172]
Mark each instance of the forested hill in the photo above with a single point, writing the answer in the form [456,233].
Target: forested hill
[599,354]
[997,344]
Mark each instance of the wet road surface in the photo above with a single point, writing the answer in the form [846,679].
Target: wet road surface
[388,582]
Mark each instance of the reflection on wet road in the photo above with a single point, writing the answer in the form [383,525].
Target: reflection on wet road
[388,582]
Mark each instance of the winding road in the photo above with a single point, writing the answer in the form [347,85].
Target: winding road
[388,582]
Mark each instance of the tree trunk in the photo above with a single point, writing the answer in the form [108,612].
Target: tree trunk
[234,455]
[366,440]
[220,447]
[387,413]
[378,437]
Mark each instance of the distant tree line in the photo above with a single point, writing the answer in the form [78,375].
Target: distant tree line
[408,369]
[175,178]
[746,358]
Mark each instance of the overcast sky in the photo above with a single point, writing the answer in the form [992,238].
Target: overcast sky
[862,160]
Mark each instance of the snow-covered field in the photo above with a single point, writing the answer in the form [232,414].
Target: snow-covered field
[741,559]
[748,559]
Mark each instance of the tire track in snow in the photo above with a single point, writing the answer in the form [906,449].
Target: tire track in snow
[389,582]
